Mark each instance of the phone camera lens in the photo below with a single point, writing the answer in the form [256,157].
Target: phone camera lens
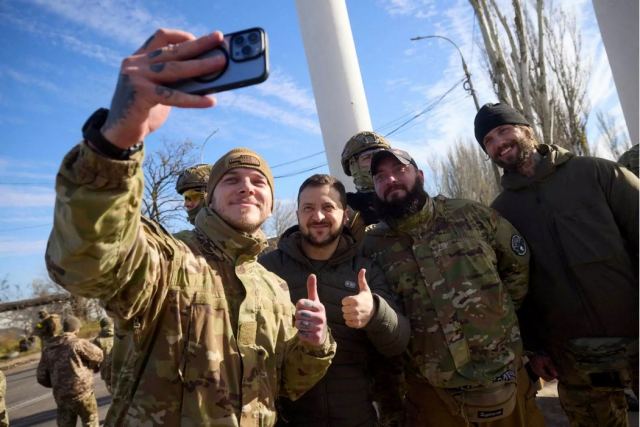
[253,38]
[238,40]
[247,50]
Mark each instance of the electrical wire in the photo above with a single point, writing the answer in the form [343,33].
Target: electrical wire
[297,160]
[300,172]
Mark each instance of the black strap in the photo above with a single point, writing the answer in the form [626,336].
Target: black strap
[91,133]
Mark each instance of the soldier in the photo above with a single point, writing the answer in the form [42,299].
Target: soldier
[629,159]
[49,326]
[4,417]
[192,185]
[104,340]
[461,271]
[67,366]
[356,160]
[580,216]
[211,336]
[362,312]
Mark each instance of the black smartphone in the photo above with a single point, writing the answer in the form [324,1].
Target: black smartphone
[247,64]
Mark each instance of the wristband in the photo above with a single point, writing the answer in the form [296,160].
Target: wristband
[92,134]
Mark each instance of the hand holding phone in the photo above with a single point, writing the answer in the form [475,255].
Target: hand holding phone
[246,54]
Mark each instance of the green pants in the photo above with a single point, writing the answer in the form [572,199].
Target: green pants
[85,408]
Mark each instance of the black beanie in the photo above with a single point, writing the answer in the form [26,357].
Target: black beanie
[491,116]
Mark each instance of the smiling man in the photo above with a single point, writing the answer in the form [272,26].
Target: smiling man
[580,216]
[361,311]
[208,335]
[461,271]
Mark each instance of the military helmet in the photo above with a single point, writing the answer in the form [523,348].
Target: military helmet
[361,141]
[42,314]
[193,177]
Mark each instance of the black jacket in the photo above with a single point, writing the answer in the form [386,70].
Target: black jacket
[343,396]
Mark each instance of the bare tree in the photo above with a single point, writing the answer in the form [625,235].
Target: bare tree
[161,203]
[614,135]
[466,173]
[282,217]
[537,67]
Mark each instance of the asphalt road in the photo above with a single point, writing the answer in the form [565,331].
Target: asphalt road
[30,404]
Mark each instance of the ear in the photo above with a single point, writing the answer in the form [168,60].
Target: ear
[421,173]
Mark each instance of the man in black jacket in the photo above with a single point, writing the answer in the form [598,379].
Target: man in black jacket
[361,311]
[580,217]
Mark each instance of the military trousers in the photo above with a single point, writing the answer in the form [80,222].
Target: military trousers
[85,408]
[425,408]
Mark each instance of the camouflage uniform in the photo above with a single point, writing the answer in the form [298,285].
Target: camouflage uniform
[105,341]
[48,327]
[629,159]
[209,332]
[4,417]
[461,271]
[194,178]
[67,366]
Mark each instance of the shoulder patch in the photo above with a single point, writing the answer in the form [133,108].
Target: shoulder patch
[518,245]
[349,284]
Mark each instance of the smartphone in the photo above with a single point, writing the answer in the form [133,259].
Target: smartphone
[247,64]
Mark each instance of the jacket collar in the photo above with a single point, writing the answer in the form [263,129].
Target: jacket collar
[291,244]
[422,218]
[232,243]
[552,156]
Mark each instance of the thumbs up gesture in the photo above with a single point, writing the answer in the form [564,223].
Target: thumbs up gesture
[357,310]
[311,319]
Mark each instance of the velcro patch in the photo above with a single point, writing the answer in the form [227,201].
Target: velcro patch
[350,285]
[490,414]
[518,245]
[244,159]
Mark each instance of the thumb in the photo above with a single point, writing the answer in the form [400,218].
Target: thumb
[312,288]
[362,280]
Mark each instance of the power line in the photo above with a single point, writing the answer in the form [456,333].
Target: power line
[300,172]
[296,160]
[427,109]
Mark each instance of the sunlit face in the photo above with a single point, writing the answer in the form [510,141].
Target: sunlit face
[393,181]
[507,146]
[320,215]
[243,199]
[192,198]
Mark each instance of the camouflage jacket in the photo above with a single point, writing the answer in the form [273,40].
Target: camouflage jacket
[4,417]
[67,366]
[461,271]
[181,361]
[105,342]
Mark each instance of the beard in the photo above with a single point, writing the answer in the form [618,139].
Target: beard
[526,147]
[320,243]
[408,205]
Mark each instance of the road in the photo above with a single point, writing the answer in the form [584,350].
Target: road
[30,404]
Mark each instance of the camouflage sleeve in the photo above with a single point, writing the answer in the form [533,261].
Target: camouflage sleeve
[621,188]
[303,365]
[91,354]
[42,373]
[388,330]
[98,247]
[512,253]
[4,418]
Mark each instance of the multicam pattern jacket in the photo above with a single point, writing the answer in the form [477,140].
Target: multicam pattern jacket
[67,366]
[184,359]
[461,271]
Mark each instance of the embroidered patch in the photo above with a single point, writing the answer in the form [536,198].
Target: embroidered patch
[490,414]
[350,285]
[244,159]
[518,245]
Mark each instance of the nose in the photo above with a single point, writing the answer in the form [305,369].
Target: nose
[246,186]
[317,215]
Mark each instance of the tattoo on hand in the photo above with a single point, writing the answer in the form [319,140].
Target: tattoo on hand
[122,99]
[156,68]
[164,91]
[155,53]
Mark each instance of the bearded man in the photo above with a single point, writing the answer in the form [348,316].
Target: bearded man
[580,216]
[361,311]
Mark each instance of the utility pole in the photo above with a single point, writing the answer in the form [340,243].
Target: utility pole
[467,86]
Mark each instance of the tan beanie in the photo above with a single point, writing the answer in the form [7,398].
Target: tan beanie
[238,158]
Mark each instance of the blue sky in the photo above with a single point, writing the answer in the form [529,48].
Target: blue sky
[59,62]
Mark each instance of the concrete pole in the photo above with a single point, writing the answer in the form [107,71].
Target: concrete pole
[335,76]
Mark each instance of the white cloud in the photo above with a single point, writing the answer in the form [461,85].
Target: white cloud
[21,248]
[17,197]
[28,80]
[283,87]
[420,9]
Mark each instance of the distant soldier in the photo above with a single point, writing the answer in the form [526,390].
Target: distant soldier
[580,216]
[192,185]
[104,340]
[356,160]
[47,327]
[629,159]
[4,417]
[67,366]
[461,271]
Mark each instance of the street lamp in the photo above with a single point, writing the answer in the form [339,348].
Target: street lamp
[467,85]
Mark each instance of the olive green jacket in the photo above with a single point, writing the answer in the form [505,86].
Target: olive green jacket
[461,271]
[185,358]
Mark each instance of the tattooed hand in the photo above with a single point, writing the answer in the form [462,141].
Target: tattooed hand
[311,319]
[141,102]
